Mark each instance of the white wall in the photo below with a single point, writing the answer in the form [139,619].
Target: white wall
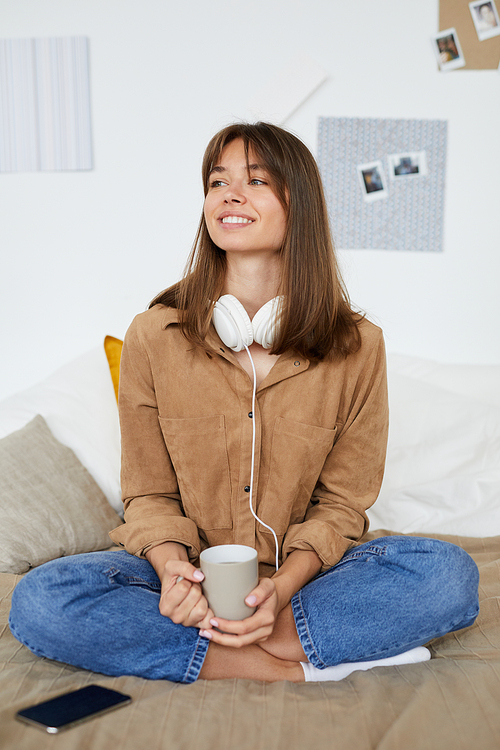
[81,253]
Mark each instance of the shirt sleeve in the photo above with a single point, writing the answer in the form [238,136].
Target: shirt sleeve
[352,474]
[153,512]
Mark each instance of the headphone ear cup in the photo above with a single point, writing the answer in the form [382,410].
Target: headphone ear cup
[232,323]
[264,323]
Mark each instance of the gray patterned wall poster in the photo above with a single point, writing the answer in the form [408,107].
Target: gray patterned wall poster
[384,182]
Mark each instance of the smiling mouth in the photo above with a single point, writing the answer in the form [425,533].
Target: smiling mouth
[236,220]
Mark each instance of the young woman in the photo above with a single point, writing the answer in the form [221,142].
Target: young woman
[261,308]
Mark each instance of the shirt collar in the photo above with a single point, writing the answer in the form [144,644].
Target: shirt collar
[170,316]
[288,364]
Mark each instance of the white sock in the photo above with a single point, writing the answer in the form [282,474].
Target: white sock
[339,671]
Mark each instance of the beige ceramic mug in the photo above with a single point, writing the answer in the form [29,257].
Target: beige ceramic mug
[231,572]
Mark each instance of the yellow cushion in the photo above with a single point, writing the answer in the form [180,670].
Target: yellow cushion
[113,349]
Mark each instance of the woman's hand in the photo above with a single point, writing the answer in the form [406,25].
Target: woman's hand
[257,627]
[183,600]
[270,597]
[180,600]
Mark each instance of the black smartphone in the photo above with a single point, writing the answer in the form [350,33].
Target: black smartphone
[72,708]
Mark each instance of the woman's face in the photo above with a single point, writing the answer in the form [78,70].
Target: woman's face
[241,210]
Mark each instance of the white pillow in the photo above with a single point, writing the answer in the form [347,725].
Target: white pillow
[79,405]
[480,382]
[443,463]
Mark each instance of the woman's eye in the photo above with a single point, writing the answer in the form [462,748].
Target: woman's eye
[257,181]
[216,183]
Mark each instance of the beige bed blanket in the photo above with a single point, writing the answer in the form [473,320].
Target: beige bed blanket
[452,701]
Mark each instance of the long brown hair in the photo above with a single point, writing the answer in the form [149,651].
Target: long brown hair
[316,317]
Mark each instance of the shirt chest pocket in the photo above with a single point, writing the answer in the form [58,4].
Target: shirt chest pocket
[198,452]
[298,453]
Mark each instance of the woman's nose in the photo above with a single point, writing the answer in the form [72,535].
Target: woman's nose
[234,195]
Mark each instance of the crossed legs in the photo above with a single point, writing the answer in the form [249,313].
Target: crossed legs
[100,611]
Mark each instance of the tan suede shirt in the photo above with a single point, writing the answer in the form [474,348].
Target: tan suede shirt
[186,424]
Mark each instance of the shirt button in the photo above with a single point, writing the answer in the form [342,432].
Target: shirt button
[247,488]
[296,363]
[250,414]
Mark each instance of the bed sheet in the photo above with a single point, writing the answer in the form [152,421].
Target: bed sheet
[451,701]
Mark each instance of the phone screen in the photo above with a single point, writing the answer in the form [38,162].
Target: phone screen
[71,708]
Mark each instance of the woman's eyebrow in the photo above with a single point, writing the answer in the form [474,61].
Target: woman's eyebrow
[251,167]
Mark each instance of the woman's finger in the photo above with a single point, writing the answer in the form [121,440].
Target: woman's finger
[261,618]
[172,596]
[178,569]
[237,641]
[257,627]
[204,624]
[260,593]
[178,602]
[199,613]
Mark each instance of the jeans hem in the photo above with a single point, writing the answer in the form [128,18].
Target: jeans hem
[194,667]
[303,632]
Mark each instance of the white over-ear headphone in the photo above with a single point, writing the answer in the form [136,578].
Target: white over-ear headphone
[235,328]
[237,331]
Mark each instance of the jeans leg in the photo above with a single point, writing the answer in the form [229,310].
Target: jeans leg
[100,611]
[386,597]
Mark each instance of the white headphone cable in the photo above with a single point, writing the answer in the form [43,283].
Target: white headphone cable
[253,457]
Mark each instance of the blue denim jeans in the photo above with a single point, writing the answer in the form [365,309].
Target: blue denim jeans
[100,610]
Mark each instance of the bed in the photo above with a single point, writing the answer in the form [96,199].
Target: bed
[59,459]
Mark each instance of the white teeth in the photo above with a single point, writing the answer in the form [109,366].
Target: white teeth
[236,220]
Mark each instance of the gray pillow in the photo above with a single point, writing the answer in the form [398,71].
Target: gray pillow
[50,506]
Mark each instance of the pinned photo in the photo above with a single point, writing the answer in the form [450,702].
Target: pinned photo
[485,17]
[410,164]
[372,181]
[448,51]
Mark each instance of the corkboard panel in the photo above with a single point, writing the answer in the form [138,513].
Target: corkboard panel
[478,55]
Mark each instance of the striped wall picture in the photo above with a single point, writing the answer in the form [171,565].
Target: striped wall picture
[44,105]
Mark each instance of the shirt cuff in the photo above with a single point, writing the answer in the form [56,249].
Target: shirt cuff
[319,537]
[138,537]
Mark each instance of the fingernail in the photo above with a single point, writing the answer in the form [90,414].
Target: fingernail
[198,575]
[251,600]
[206,634]
[214,623]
